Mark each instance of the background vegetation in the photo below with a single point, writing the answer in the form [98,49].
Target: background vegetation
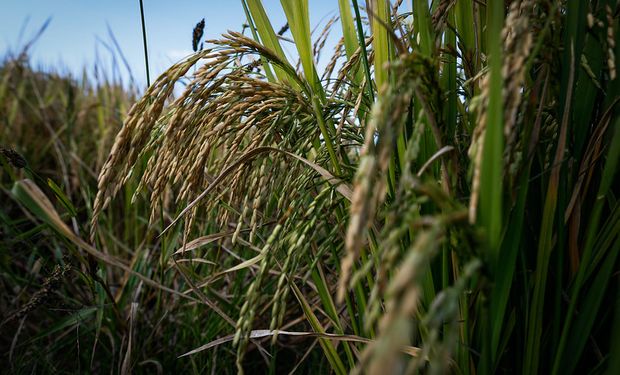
[442,198]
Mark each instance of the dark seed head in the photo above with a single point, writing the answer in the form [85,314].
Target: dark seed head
[197,34]
[13,157]
[283,29]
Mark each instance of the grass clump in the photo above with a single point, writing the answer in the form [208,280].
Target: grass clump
[441,199]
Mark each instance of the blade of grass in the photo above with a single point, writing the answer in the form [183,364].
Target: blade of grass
[144,43]
[351,42]
[328,347]
[493,149]
[380,17]
[269,38]
[545,245]
[511,242]
[318,277]
[298,18]
[266,66]
[261,333]
[588,313]
[614,360]
[422,27]
[362,45]
[611,168]
[34,199]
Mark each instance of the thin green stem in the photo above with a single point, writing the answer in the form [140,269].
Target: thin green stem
[146,50]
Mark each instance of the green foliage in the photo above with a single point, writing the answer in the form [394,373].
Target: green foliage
[443,199]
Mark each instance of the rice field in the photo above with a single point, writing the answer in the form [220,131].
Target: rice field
[441,196]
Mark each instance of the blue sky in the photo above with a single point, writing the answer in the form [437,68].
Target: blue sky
[73,40]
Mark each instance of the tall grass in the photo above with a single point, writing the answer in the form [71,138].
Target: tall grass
[441,199]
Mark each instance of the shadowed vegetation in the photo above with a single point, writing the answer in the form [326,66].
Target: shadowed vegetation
[440,198]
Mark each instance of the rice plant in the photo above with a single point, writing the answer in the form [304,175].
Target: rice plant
[440,199]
